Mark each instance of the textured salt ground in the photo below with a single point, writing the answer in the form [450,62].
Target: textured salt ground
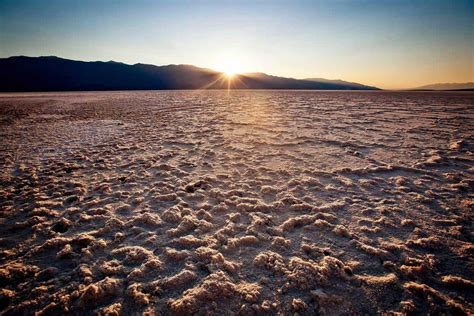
[247,202]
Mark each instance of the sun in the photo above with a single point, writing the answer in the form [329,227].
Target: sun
[229,73]
[230,68]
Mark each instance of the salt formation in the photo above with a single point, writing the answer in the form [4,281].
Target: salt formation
[239,202]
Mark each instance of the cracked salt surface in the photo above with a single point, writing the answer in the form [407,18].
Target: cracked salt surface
[239,202]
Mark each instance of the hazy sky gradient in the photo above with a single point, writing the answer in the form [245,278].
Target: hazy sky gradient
[389,44]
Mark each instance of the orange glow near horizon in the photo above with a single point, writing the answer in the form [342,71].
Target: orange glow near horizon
[229,74]
[230,66]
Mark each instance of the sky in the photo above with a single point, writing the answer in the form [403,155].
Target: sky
[386,43]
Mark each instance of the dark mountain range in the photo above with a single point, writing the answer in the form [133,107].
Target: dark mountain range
[353,85]
[22,73]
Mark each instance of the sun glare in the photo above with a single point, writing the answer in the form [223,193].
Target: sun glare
[230,68]
[229,73]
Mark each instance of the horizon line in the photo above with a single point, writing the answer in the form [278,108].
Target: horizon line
[418,88]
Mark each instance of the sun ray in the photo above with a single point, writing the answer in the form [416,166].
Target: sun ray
[240,80]
[229,77]
[221,77]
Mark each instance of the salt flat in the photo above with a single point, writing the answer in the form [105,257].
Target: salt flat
[239,202]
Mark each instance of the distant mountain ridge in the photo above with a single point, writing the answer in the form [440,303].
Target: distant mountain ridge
[354,85]
[51,73]
[448,86]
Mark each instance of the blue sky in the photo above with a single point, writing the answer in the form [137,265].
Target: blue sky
[390,44]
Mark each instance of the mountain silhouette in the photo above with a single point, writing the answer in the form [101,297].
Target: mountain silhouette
[352,85]
[21,73]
